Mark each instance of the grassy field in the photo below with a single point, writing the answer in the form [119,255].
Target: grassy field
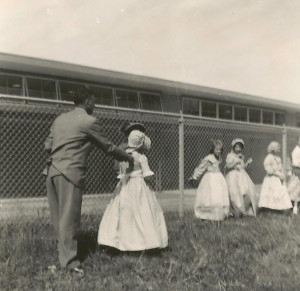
[244,254]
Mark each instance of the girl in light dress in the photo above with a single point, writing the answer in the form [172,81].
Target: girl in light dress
[134,221]
[294,182]
[212,200]
[240,186]
[274,194]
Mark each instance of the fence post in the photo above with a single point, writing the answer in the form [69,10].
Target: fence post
[284,150]
[181,165]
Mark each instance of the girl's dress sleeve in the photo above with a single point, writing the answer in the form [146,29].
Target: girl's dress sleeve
[231,161]
[200,169]
[145,166]
[268,165]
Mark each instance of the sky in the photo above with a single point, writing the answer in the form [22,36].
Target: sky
[251,46]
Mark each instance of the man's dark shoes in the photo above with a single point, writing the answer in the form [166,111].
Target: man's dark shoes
[77,272]
[52,269]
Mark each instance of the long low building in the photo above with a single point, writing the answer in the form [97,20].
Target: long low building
[51,80]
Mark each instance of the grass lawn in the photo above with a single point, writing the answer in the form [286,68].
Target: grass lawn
[244,254]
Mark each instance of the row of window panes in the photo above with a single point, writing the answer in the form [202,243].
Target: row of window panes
[44,88]
[11,85]
[229,112]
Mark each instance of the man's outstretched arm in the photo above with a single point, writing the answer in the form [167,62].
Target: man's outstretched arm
[98,136]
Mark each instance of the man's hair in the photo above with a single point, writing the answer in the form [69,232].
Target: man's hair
[124,127]
[82,95]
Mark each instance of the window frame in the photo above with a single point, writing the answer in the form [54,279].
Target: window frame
[104,87]
[213,102]
[191,99]
[70,82]
[41,78]
[247,113]
[284,117]
[260,114]
[22,82]
[127,90]
[232,112]
[150,93]
[297,119]
[273,116]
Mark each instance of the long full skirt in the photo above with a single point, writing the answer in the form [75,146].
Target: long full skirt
[133,220]
[241,192]
[212,200]
[294,188]
[274,194]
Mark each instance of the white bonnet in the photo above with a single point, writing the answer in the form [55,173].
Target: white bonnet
[147,143]
[237,140]
[273,146]
[138,139]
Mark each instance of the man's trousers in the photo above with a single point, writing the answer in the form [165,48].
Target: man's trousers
[65,201]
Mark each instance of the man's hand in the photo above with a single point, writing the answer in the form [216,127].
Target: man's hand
[130,166]
[193,182]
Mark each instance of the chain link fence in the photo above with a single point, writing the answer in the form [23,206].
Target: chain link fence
[24,127]
[198,136]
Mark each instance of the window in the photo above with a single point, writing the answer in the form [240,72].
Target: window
[279,118]
[209,109]
[267,117]
[298,120]
[240,113]
[190,106]
[151,102]
[255,115]
[11,85]
[128,99]
[225,111]
[41,88]
[103,96]
[68,90]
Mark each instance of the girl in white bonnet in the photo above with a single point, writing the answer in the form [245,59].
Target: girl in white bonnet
[241,188]
[134,221]
[274,194]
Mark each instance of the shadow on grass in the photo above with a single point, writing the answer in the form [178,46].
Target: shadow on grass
[286,212]
[87,244]
[113,252]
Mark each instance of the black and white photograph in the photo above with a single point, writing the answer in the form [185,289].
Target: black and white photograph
[149,145]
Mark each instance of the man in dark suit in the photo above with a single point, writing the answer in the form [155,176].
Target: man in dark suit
[69,144]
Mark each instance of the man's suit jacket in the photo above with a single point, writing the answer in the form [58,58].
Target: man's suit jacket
[70,140]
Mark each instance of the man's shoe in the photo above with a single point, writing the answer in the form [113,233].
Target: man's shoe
[78,272]
[52,269]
